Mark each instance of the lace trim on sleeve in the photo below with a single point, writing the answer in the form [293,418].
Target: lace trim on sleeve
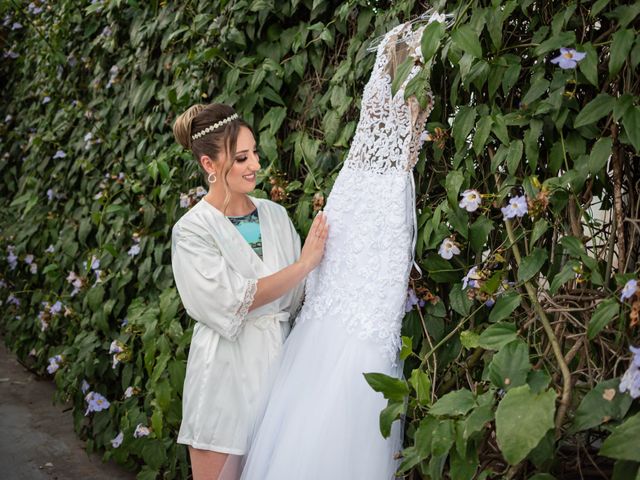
[250,290]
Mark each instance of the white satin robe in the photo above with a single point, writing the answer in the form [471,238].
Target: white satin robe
[216,273]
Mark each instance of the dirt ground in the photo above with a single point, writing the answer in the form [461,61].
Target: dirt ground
[37,440]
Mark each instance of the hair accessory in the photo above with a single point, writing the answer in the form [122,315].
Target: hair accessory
[213,127]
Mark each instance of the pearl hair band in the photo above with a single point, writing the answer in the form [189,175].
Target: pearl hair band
[213,127]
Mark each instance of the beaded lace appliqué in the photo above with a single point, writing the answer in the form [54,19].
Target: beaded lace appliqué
[250,290]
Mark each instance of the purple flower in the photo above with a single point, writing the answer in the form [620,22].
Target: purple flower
[141,431]
[56,308]
[85,386]
[471,200]
[16,26]
[95,263]
[412,300]
[13,300]
[46,100]
[8,118]
[125,322]
[629,289]
[59,154]
[28,259]
[448,249]
[106,31]
[96,402]
[116,347]
[12,259]
[54,364]
[50,194]
[134,250]
[517,207]
[33,268]
[117,441]
[10,54]
[50,249]
[471,278]
[185,201]
[630,381]
[568,58]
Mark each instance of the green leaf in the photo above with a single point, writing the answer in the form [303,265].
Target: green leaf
[602,316]
[624,470]
[622,444]
[402,72]
[462,125]
[440,270]
[477,420]
[538,87]
[567,273]
[498,335]
[389,415]
[509,367]
[431,37]
[422,385]
[599,155]
[562,39]
[479,232]
[443,437]
[482,133]
[522,420]
[631,123]
[459,300]
[601,405]
[589,64]
[467,40]
[453,182]
[621,44]
[469,339]
[514,154]
[504,307]
[593,111]
[532,264]
[456,403]
[392,388]
[153,453]
[407,347]
[539,229]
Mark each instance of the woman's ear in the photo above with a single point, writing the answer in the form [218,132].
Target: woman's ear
[207,163]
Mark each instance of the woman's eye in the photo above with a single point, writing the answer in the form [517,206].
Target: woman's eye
[240,159]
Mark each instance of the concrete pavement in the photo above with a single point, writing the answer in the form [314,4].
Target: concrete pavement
[37,441]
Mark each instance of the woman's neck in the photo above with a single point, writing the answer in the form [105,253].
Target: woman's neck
[239,203]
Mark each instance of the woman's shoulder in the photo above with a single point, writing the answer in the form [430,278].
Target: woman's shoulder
[195,221]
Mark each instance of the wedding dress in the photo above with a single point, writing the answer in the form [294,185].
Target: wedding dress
[321,420]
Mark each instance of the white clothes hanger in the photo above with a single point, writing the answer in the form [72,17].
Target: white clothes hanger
[430,15]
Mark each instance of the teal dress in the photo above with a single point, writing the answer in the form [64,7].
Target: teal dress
[249,228]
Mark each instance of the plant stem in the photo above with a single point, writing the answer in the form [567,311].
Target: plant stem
[555,345]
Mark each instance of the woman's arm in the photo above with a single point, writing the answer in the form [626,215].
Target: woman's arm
[276,285]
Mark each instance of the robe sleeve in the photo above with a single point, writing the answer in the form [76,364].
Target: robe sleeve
[211,291]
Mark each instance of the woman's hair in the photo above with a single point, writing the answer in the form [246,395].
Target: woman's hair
[222,139]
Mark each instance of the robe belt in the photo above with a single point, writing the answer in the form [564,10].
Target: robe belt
[268,320]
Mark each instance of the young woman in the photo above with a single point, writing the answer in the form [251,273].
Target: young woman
[239,272]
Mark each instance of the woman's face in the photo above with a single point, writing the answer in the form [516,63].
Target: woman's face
[242,174]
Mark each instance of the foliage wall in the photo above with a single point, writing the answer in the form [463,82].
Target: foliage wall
[518,329]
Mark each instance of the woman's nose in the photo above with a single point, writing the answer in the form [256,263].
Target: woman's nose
[255,161]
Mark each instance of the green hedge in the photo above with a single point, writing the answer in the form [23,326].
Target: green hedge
[92,182]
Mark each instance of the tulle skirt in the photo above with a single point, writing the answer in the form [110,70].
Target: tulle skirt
[321,420]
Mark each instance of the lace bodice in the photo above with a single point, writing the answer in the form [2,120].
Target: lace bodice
[387,138]
[362,279]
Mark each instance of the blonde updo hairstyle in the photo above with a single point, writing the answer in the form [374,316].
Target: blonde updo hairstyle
[197,118]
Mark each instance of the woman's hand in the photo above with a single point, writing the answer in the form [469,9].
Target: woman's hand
[313,248]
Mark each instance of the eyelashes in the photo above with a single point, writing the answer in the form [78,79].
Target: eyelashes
[243,158]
